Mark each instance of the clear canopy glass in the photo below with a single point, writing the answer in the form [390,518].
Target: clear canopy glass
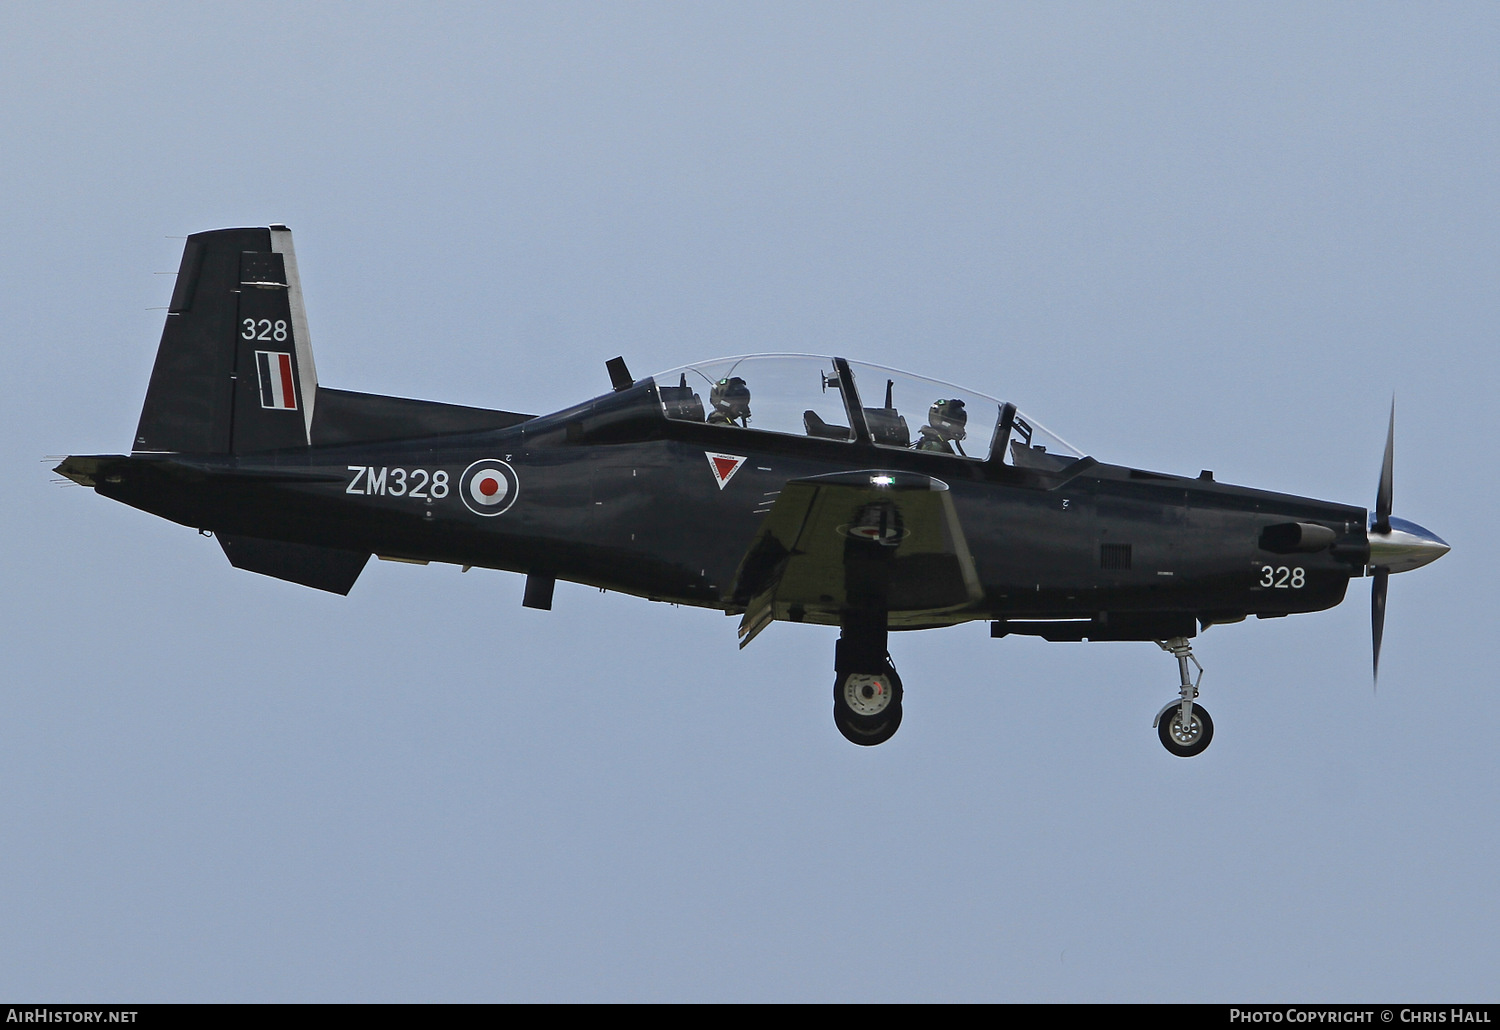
[826,398]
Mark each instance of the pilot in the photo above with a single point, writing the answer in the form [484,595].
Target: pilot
[731,400]
[946,422]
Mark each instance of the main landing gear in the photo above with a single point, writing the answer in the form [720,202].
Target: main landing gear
[867,705]
[866,689]
[1184,726]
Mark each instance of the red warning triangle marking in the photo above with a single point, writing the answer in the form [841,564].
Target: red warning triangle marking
[724,466]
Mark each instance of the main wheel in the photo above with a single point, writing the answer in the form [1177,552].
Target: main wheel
[867,705]
[867,731]
[1189,740]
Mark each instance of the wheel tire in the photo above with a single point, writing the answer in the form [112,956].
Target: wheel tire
[866,731]
[867,705]
[1185,743]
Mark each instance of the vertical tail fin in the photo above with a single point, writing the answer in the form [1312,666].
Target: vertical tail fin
[234,372]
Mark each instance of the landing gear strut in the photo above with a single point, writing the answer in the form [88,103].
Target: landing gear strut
[1184,726]
[866,689]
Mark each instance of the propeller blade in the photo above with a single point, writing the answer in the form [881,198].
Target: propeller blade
[1383,493]
[1377,614]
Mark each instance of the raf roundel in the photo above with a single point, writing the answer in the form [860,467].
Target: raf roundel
[488,487]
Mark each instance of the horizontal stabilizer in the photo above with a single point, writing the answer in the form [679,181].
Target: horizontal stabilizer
[88,469]
[323,568]
[344,417]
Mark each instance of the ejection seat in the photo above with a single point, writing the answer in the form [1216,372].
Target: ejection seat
[818,428]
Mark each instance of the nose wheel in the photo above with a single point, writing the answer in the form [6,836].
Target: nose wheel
[1185,739]
[1184,726]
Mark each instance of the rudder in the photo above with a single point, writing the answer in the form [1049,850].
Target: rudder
[234,371]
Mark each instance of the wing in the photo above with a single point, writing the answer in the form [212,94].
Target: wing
[874,540]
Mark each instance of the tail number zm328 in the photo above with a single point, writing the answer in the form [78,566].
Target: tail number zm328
[384,481]
[1282,578]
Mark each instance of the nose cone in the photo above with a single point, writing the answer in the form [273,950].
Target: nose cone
[1407,546]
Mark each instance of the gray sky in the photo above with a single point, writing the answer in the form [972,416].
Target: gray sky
[1183,236]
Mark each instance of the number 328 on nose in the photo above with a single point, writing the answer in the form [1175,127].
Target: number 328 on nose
[1282,578]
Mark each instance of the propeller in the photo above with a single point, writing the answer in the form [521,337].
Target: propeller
[1377,614]
[1382,524]
[1396,545]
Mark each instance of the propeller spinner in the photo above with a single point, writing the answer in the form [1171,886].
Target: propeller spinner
[1396,545]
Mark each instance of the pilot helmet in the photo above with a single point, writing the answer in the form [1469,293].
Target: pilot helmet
[731,396]
[949,418]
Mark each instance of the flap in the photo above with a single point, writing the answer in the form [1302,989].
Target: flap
[873,540]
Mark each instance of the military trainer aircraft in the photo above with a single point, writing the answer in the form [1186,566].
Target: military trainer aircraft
[774,487]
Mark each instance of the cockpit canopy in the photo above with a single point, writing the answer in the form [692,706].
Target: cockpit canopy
[833,399]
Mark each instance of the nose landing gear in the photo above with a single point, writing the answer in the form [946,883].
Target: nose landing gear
[1184,726]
